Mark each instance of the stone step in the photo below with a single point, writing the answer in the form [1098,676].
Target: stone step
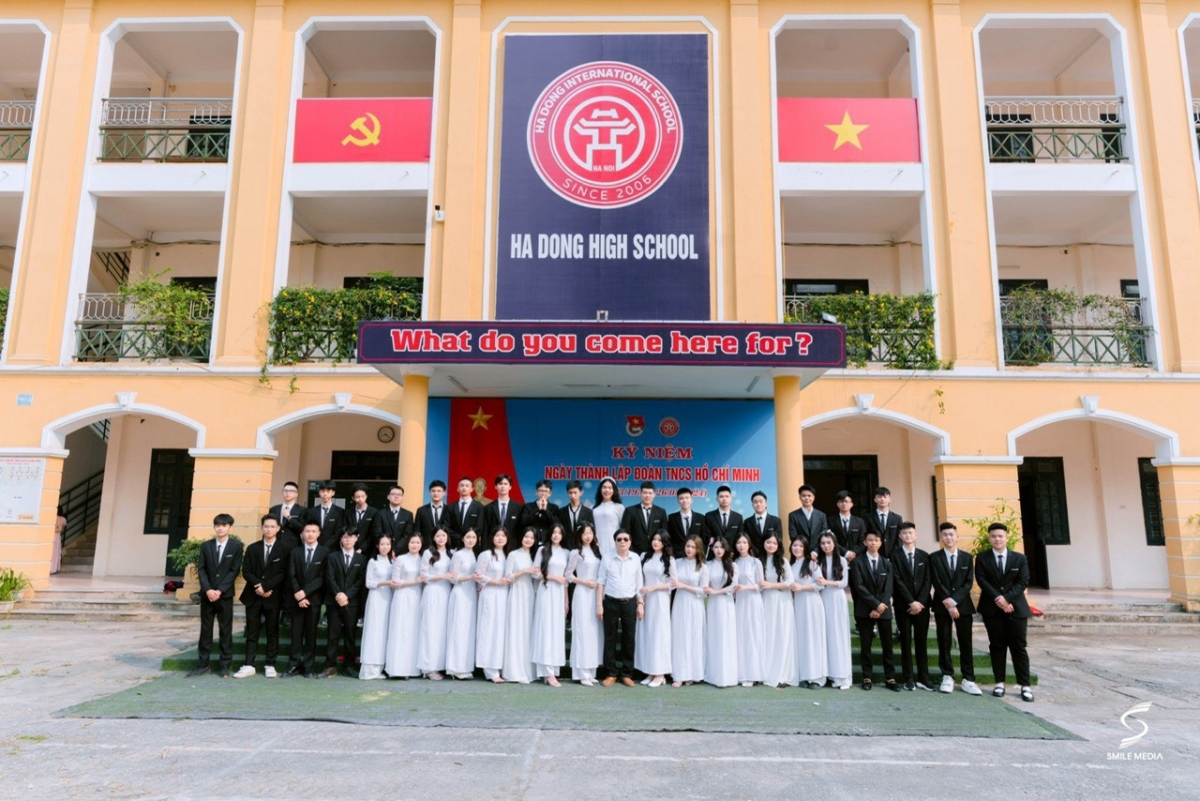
[84,569]
[1038,628]
[1056,617]
[108,615]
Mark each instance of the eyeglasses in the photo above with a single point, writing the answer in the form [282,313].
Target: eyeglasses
[622,539]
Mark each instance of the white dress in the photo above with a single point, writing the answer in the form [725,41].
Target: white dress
[687,621]
[587,633]
[435,600]
[811,648]
[752,633]
[375,619]
[493,611]
[608,519]
[779,621]
[460,616]
[404,619]
[652,637]
[837,626]
[518,631]
[550,616]
[720,630]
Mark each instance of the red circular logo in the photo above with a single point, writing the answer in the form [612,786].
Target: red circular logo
[605,134]
[668,427]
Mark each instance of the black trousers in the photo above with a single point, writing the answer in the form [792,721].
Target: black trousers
[866,637]
[343,623]
[222,610]
[947,628]
[1006,634]
[255,612]
[304,636]
[914,626]
[619,613]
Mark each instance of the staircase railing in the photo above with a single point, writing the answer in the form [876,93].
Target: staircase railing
[81,505]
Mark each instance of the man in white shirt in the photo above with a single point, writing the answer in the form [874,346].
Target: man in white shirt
[619,604]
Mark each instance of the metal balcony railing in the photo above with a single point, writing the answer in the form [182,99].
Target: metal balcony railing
[165,129]
[1112,333]
[1056,129]
[1196,118]
[16,129]
[111,327]
[904,340]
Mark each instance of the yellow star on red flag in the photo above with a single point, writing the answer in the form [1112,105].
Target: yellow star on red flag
[847,131]
[479,419]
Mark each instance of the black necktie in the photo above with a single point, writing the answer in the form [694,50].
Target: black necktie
[882,522]
[308,562]
[646,512]
[437,515]
[875,568]
[503,513]
[760,525]
[396,516]
[724,520]
[220,549]
[267,555]
[1000,564]
[911,567]
[952,558]
[324,512]
[358,516]
[687,524]
[347,561]
[462,514]
[573,514]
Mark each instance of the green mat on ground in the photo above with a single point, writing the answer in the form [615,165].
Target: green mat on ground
[479,704]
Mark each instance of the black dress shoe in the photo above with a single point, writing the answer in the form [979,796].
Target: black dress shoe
[892,685]
[292,671]
[224,673]
[199,670]
[329,673]
[867,684]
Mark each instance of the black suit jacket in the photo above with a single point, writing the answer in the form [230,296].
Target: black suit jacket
[541,519]
[221,576]
[289,530]
[272,576]
[712,525]
[491,517]
[678,535]
[335,524]
[871,590]
[956,586]
[456,523]
[887,532]
[849,539]
[399,528]
[634,521]
[339,578]
[910,586]
[809,529]
[771,523]
[583,515]
[424,522]
[311,579]
[363,527]
[1011,585]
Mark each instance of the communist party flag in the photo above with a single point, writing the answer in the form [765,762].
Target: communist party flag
[480,447]
[362,129]
[848,129]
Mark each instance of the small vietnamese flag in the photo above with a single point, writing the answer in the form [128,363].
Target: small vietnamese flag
[362,129]
[853,129]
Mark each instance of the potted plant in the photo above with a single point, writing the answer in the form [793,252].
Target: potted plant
[12,584]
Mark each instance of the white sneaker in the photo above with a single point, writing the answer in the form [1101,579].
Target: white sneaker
[970,688]
[269,672]
[646,681]
[948,684]
[845,686]
[245,672]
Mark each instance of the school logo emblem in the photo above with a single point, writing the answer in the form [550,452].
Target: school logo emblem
[635,424]
[605,134]
[668,427]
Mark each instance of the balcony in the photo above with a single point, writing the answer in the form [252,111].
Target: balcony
[895,331]
[16,129]
[308,324]
[1062,328]
[116,326]
[178,129]
[1030,130]
[1196,119]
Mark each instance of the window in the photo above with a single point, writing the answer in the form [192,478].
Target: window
[169,496]
[825,286]
[1151,502]
[1044,476]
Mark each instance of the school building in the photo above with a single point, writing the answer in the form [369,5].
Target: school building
[998,199]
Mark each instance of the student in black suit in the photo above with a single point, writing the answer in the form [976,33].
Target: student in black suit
[910,588]
[849,529]
[759,524]
[219,565]
[431,516]
[306,582]
[807,522]
[643,520]
[722,522]
[871,578]
[1003,576]
[884,522]
[392,520]
[465,513]
[360,516]
[685,522]
[953,575]
[574,513]
[291,515]
[539,514]
[504,511]
[329,516]
[345,580]
[265,572]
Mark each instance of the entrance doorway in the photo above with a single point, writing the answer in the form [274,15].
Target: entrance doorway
[169,497]
[377,469]
[829,475]
[1043,487]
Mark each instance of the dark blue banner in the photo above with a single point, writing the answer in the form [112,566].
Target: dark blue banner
[604,178]
[680,344]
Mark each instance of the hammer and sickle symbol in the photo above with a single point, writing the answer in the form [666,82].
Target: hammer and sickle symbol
[370,135]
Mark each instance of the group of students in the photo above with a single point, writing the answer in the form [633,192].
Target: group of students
[688,598]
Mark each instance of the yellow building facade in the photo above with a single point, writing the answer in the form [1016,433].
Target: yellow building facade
[1058,154]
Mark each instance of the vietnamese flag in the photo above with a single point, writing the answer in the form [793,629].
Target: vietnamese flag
[362,129]
[479,445]
[852,129]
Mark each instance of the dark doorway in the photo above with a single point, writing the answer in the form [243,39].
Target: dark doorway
[829,475]
[377,469]
[1043,489]
[169,497]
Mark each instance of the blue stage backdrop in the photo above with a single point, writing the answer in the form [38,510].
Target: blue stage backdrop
[699,444]
[604,178]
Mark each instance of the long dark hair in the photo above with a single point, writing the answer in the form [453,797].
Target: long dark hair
[807,567]
[750,549]
[548,550]
[836,560]
[777,559]
[698,541]
[515,544]
[665,554]
[391,554]
[491,546]
[726,559]
[434,553]
[579,539]
[616,493]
